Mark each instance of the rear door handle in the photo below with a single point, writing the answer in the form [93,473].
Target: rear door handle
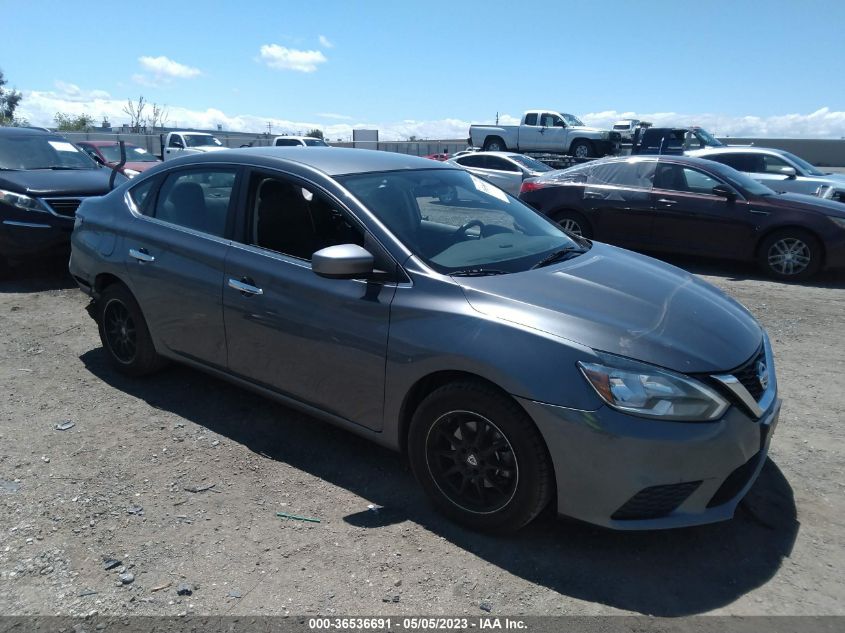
[667,201]
[141,255]
[245,286]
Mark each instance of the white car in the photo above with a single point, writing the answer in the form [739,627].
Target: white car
[299,141]
[778,169]
[506,170]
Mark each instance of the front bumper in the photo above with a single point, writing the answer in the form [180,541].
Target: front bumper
[606,147]
[630,473]
[26,234]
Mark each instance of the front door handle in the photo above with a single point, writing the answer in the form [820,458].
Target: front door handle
[245,286]
[141,255]
[667,201]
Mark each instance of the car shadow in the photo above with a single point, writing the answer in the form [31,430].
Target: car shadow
[663,573]
[37,276]
[744,271]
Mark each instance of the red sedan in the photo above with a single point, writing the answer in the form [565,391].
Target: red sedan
[108,153]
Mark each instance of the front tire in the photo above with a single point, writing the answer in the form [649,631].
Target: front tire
[479,458]
[124,333]
[790,255]
[582,149]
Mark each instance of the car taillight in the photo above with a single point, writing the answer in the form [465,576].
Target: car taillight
[530,185]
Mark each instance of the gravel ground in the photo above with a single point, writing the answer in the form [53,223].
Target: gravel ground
[176,480]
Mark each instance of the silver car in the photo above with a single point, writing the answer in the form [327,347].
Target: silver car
[514,364]
[779,170]
[504,169]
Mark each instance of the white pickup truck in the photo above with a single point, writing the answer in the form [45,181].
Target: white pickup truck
[177,144]
[546,131]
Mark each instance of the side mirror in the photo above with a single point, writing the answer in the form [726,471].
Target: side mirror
[343,261]
[789,172]
[724,191]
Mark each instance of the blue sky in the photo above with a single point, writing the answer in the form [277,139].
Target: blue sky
[429,68]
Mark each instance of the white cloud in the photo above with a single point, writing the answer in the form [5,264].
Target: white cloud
[281,58]
[333,115]
[164,67]
[72,92]
[161,70]
[325,42]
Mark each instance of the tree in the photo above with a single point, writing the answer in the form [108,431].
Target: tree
[9,101]
[159,116]
[315,133]
[73,122]
[136,113]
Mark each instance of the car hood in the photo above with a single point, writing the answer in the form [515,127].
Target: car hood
[46,182]
[806,202]
[834,179]
[586,128]
[620,302]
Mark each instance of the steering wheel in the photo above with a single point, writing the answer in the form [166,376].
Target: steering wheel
[466,227]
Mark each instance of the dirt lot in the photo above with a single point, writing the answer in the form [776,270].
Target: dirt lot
[179,477]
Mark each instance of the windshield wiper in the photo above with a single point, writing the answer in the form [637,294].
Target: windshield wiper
[558,256]
[478,272]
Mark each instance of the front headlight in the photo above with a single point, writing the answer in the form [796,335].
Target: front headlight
[605,135]
[20,201]
[131,173]
[652,392]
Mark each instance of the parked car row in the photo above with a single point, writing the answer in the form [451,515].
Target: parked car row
[516,364]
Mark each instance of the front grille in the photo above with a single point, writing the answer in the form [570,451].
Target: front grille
[736,481]
[655,502]
[64,206]
[747,375]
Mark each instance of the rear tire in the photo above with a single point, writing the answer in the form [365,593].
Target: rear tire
[574,222]
[494,144]
[480,458]
[790,255]
[582,149]
[124,333]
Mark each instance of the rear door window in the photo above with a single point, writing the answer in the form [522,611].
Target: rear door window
[197,199]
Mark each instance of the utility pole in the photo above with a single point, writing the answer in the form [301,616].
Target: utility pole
[269,128]
[497,118]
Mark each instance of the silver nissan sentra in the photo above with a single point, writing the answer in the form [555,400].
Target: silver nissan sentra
[424,308]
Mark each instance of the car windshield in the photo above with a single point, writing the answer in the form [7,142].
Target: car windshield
[803,164]
[201,140]
[315,142]
[709,139]
[571,119]
[740,180]
[42,152]
[134,154]
[530,163]
[458,223]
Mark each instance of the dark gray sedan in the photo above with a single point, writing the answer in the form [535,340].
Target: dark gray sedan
[515,365]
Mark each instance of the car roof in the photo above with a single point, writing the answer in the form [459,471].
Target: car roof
[104,143]
[27,131]
[666,158]
[502,154]
[744,149]
[334,161]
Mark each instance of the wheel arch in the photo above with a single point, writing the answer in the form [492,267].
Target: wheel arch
[104,280]
[786,227]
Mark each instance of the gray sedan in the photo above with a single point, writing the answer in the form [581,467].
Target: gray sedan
[514,364]
[779,170]
[504,169]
